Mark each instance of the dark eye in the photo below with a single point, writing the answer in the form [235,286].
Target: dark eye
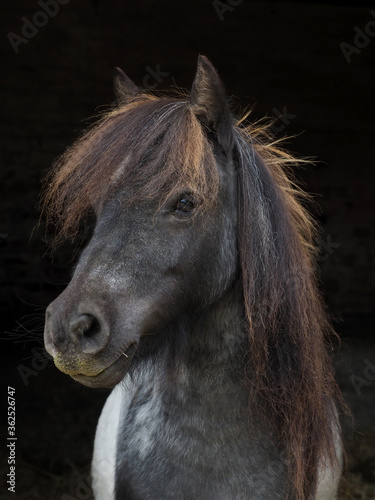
[185,204]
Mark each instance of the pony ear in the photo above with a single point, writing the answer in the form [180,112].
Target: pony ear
[125,88]
[208,101]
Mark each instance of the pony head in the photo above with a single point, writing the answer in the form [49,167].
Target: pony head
[188,204]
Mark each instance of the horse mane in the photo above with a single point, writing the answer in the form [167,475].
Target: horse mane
[153,146]
[158,147]
[289,371]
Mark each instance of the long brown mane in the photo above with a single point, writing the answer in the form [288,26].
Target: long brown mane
[289,370]
[157,146]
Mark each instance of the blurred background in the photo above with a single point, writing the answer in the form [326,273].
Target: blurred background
[308,65]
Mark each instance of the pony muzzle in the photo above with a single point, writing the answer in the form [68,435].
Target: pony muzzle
[74,334]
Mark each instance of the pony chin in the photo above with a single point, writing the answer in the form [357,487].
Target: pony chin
[90,373]
[109,377]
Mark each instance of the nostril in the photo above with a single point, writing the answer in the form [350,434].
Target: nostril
[88,333]
[93,329]
[85,325]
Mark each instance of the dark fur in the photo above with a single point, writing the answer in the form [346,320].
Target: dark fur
[237,339]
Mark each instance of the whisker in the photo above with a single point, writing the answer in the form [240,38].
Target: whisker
[129,346]
[37,306]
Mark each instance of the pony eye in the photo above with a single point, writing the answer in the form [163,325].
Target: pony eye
[185,204]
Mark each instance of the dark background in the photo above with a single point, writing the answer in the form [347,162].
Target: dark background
[277,58]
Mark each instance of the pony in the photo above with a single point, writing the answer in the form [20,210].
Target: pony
[196,301]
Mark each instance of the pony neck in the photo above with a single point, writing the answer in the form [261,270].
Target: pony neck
[214,339]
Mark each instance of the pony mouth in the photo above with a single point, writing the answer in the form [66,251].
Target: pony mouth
[113,374]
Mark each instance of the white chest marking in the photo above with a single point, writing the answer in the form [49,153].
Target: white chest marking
[104,460]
